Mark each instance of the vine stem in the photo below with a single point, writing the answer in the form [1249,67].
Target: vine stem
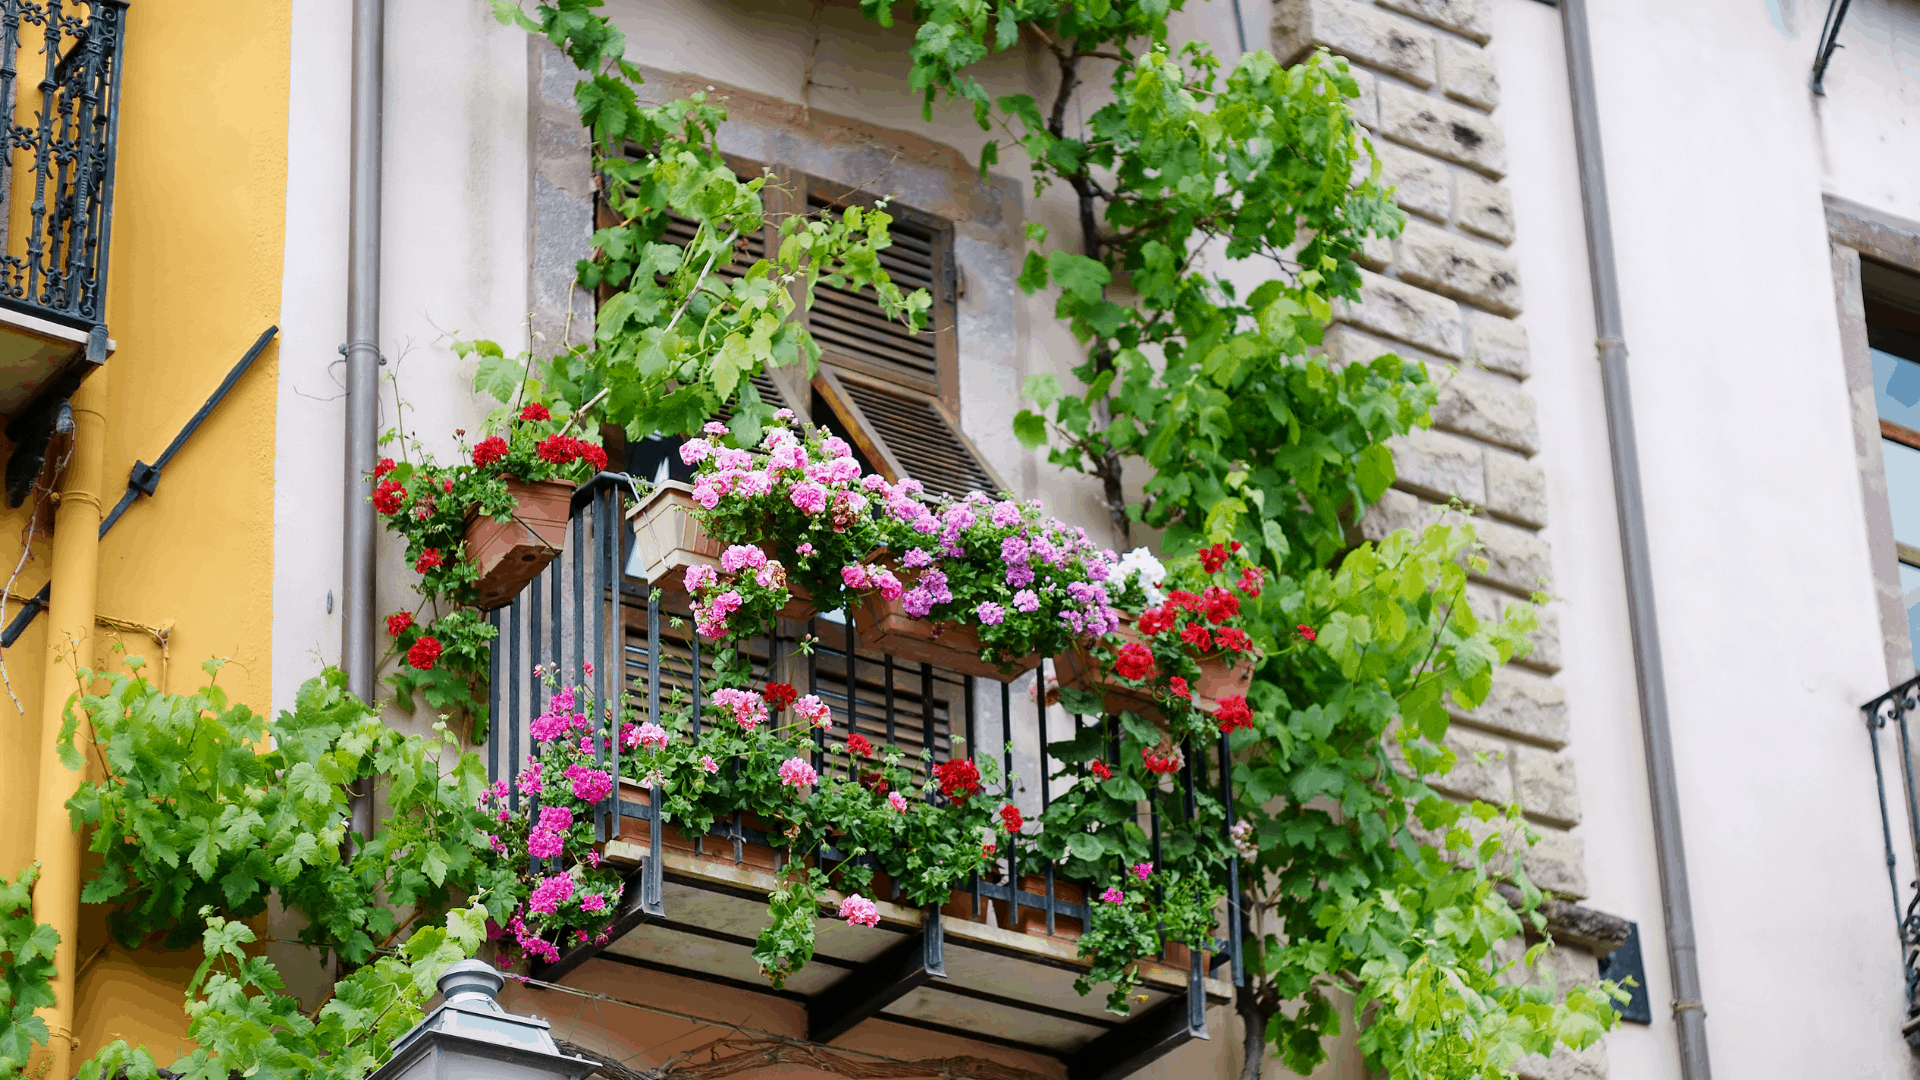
[583,410]
[684,304]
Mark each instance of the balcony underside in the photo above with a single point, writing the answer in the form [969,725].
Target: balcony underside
[35,355]
[953,975]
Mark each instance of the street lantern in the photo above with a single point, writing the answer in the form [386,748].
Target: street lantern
[470,1037]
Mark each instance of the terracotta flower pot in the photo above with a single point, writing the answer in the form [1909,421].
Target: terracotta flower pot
[713,849]
[960,906]
[1033,920]
[510,553]
[1080,668]
[1223,675]
[668,539]
[884,625]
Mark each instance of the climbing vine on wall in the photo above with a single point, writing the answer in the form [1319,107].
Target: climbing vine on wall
[1360,880]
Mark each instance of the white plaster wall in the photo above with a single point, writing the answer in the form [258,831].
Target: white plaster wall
[454,251]
[1717,159]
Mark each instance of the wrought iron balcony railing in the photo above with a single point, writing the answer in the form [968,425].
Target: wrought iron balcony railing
[60,100]
[1897,707]
[944,968]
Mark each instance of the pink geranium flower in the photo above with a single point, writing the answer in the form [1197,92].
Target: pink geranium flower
[859,911]
[795,772]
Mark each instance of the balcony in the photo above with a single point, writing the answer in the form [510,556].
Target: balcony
[1895,710]
[995,964]
[60,93]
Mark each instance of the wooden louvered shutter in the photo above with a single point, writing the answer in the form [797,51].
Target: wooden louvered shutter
[895,391]
[855,333]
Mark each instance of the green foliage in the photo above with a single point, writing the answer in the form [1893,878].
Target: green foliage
[674,341]
[243,1026]
[533,436]
[1127,923]
[1246,436]
[26,971]
[207,807]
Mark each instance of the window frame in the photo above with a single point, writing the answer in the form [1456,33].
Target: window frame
[1856,232]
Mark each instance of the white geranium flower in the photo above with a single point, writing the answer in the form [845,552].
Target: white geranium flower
[1139,564]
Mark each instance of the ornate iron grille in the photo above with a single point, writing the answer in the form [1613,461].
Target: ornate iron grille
[61,136]
[1895,707]
[583,609]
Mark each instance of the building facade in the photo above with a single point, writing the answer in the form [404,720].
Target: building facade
[1765,241]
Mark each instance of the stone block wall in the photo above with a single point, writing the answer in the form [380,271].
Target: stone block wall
[1447,292]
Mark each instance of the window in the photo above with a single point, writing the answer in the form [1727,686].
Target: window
[893,394]
[1893,339]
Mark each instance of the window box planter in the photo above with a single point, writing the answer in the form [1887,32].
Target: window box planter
[1083,667]
[668,539]
[510,553]
[1222,674]
[884,625]
[1033,920]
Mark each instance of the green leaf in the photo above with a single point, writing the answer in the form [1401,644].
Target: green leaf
[1077,275]
[1030,428]
[1089,846]
[498,376]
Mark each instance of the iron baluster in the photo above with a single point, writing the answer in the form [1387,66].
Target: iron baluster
[513,703]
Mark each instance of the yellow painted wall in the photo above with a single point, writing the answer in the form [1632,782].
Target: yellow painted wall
[194,275]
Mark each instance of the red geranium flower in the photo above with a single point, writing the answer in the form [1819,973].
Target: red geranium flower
[1237,640]
[388,497]
[959,779]
[1010,817]
[1135,661]
[1154,620]
[779,695]
[1304,631]
[593,454]
[1219,605]
[1100,769]
[429,560]
[1213,558]
[424,653]
[1233,714]
[1183,600]
[535,412]
[386,466]
[1236,547]
[1164,764]
[858,746]
[1196,635]
[1179,686]
[491,449]
[1251,578]
[399,623]
[558,449]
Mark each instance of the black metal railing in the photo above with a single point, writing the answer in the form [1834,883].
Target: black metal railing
[61,137]
[1894,708]
[583,608]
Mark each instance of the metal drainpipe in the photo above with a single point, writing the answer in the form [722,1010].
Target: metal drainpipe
[70,644]
[363,365]
[1689,1013]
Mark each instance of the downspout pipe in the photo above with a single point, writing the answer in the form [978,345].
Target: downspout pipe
[363,365]
[70,645]
[1689,1012]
